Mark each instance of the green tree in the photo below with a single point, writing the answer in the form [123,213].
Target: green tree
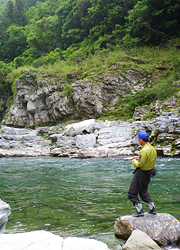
[6,18]
[2,1]
[42,38]
[29,3]
[108,21]
[154,21]
[20,18]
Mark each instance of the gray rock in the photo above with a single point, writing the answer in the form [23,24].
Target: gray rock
[37,240]
[163,228]
[64,146]
[31,107]
[5,211]
[49,100]
[23,142]
[140,112]
[91,138]
[84,141]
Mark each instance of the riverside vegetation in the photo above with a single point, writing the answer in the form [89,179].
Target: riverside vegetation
[159,67]
[69,41]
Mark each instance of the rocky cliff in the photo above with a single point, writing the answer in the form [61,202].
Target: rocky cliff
[41,99]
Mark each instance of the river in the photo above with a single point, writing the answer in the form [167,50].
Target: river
[80,197]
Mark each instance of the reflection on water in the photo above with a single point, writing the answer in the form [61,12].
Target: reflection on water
[80,197]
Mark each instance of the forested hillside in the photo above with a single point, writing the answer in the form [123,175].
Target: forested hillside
[37,33]
[30,29]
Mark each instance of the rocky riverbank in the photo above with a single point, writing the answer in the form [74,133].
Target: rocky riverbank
[42,98]
[91,138]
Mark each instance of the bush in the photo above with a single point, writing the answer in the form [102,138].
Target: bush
[165,89]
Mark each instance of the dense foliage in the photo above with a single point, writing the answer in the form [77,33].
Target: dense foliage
[39,33]
[30,29]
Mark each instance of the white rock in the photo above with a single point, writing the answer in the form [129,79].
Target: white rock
[43,240]
[37,240]
[73,243]
[140,241]
[78,128]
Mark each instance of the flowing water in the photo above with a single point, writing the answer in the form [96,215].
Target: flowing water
[80,197]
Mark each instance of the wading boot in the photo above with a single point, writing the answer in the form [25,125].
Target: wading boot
[152,211]
[138,214]
[139,210]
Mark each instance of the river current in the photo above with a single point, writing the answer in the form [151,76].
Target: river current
[80,197]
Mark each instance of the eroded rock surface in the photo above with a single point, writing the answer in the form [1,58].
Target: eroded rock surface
[91,138]
[43,98]
[163,228]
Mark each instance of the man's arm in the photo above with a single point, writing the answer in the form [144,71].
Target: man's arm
[140,162]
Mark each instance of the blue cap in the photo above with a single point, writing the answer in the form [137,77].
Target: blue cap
[142,135]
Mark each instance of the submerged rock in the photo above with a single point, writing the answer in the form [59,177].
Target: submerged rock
[163,228]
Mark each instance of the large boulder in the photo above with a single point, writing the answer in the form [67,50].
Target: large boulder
[5,211]
[43,240]
[140,241]
[163,228]
[85,126]
[37,240]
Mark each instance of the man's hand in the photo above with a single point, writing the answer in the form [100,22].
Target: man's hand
[135,157]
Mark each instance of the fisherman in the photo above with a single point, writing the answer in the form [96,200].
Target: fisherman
[144,171]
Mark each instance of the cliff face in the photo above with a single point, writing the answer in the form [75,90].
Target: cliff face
[42,98]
